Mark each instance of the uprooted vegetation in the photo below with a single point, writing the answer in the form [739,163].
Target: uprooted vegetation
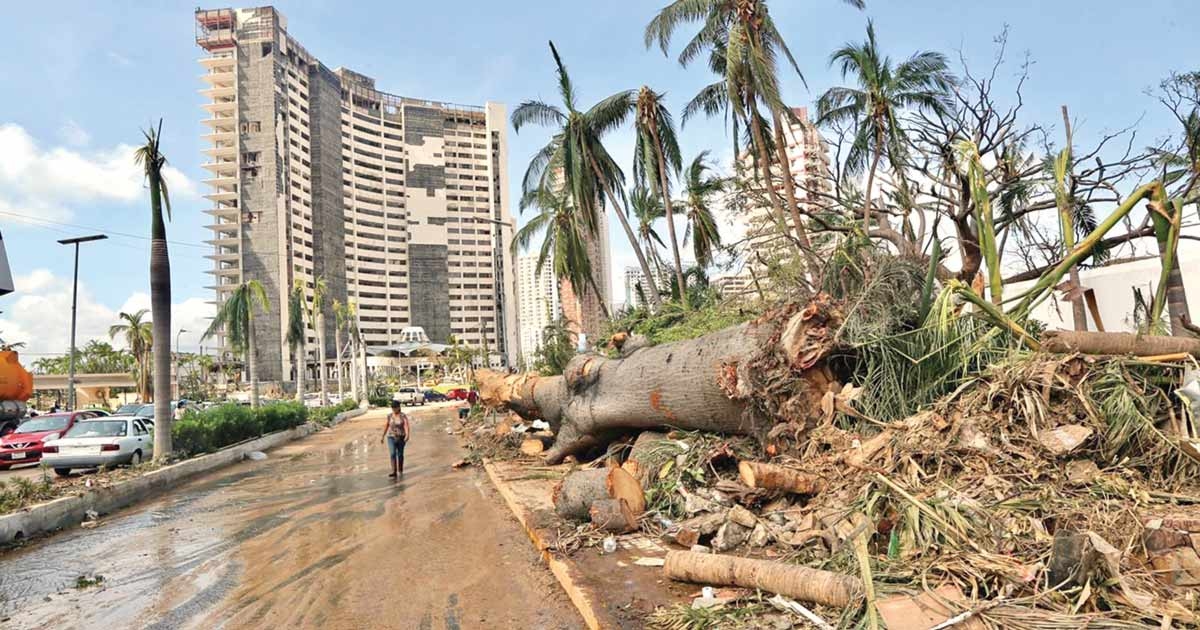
[912,446]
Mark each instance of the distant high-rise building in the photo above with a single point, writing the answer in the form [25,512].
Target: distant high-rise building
[635,285]
[808,158]
[538,300]
[400,205]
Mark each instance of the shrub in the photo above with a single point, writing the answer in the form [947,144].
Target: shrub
[380,401]
[221,426]
[324,416]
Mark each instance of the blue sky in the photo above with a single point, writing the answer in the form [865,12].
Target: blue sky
[81,80]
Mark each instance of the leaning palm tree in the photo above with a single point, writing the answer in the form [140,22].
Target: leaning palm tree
[139,337]
[297,334]
[589,173]
[153,162]
[655,157]
[699,187]
[316,314]
[923,81]
[236,316]
[563,231]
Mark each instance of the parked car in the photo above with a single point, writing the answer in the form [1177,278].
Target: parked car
[96,442]
[410,396]
[434,396]
[25,444]
[468,395]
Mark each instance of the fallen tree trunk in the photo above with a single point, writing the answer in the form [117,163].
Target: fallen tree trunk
[773,477]
[790,580]
[647,456]
[1113,343]
[574,495]
[613,515]
[698,384]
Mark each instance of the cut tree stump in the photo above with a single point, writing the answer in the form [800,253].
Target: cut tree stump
[647,456]
[535,445]
[613,515]
[790,580]
[774,477]
[574,495]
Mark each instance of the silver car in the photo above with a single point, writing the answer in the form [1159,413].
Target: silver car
[101,442]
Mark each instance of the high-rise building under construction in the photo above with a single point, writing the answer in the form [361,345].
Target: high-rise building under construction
[399,205]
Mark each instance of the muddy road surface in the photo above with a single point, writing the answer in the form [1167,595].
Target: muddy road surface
[315,536]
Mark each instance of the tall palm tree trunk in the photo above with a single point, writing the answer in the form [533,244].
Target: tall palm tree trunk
[337,347]
[652,286]
[321,364]
[789,187]
[160,311]
[665,192]
[353,368]
[1177,305]
[301,368]
[251,362]
[366,374]
[871,182]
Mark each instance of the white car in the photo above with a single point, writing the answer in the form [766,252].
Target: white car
[101,442]
[409,396]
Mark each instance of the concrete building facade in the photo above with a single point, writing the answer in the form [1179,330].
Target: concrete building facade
[538,300]
[399,205]
[584,311]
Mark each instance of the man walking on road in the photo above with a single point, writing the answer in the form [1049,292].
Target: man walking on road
[396,433]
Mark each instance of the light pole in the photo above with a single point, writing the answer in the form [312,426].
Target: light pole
[178,363]
[74,309]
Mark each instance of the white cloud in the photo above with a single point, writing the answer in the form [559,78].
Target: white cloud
[73,134]
[118,58]
[44,183]
[39,313]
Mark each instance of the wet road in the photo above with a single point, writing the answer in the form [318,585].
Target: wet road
[316,536]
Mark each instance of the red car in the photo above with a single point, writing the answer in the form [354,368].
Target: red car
[468,395]
[24,445]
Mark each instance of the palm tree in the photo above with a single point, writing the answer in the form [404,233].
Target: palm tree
[341,314]
[647,208]
[922,81]
[236,317]
[316,314]
[564,243]
[744,45]
[655,157]
[589,173]
[139,336]
[699,186]
[355,339]
[297,334]
[153,161]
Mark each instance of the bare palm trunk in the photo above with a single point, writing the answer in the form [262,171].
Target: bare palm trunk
[337,347]
[1177,306]
[366,374]
[353,369]
[789,187]
[301,367]
[321,360]
[160,310]
[867,195]
[655,298]
[665,192]
[251,362]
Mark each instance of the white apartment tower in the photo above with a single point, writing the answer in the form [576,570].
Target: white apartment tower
[808,158]
[399,205]
[538,300]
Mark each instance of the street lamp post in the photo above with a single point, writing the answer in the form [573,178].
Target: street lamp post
[178,364]
[74,309]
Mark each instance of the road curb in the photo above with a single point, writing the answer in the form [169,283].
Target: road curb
[66,511]
[562,570]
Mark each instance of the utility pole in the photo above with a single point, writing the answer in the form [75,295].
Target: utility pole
[74,311]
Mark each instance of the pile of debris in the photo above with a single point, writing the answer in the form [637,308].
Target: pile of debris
[1042,491]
